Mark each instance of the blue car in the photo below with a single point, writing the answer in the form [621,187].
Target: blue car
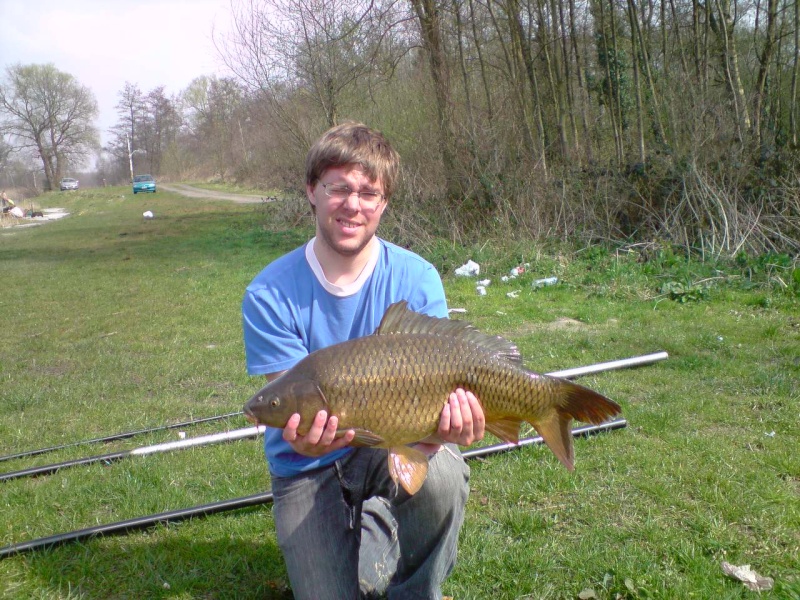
[144,183]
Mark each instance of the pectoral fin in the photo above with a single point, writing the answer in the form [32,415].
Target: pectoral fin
[506,429]
[364,437]
[408,467]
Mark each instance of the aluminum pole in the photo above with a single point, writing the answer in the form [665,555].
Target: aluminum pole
[119,436]
[203,440]
[247,432]
[566,374]
[203,510]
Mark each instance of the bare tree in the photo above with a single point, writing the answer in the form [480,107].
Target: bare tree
[213,107]
[317,49]
[50,113]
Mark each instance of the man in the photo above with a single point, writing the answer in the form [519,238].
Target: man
[345,529]
[6,203]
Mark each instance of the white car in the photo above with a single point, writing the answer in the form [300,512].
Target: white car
[68,183]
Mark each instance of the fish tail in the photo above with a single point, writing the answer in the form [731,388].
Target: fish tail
[581,404]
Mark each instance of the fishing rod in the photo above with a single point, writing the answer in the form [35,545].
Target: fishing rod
[203,440]
[567,374]
[248,432]
[203,510]
[119,436]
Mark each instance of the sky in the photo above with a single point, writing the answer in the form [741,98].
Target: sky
[105,43]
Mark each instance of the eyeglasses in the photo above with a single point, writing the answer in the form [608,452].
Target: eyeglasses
[367,198]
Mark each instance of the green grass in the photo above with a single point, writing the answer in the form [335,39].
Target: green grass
[113,323]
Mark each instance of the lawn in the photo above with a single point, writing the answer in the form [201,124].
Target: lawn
[114,323]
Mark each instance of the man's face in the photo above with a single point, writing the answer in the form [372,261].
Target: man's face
[344,225]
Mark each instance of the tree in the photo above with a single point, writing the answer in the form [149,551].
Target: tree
[51,114]
[310,50]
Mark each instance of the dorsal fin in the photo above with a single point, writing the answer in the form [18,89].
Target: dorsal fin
[398,318]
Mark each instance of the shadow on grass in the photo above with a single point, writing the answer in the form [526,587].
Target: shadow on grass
[140,566]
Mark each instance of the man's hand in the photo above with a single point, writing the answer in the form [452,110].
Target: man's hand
[320,438]
[462,422]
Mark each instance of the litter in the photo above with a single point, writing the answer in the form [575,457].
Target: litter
[513,294]
[470,269]
[543,282]
[148,214]
[481,290]
[752,580]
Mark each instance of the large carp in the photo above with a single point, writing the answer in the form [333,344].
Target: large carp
[391,386]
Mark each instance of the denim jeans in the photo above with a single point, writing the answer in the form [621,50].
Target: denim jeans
[347,531]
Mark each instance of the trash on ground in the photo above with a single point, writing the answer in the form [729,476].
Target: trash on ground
[513,294]
[481,289]
[460,311]
[484,282]
[470,269]
[752,580]
[148,214]
[543,282]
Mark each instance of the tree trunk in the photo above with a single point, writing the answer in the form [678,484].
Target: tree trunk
[729,61]
[482,62]
[795,70]
[523,43]
[427,12]
[585,100]
[763,70]
[636,85]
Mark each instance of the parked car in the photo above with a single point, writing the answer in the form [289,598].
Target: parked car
[68,183]
[144,183]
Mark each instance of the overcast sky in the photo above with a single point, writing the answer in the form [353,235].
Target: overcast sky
[104,43]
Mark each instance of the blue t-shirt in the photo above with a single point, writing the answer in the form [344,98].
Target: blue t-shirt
[289,310]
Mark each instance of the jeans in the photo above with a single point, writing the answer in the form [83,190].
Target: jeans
[347,531]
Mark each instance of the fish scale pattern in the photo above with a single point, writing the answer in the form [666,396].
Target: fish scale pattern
[396,385]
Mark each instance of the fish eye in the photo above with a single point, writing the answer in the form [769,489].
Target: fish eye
[275,402]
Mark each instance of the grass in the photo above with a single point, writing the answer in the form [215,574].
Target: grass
[113,323]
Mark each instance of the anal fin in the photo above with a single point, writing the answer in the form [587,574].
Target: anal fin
[557,434]
[408,467]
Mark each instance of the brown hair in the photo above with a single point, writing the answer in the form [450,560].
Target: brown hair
[354,144]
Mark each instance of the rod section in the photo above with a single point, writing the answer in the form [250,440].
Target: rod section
[243,433]
[174,516]
[119,436]
[214,438]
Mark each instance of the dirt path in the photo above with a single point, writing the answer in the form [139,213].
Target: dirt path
[193,192]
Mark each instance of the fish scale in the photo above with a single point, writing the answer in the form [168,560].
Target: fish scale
[391,387]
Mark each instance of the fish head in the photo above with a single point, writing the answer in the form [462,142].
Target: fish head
[273,404]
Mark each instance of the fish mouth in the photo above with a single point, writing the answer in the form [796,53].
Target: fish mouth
[251,417]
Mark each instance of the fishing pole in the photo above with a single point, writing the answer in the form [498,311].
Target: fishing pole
[119,436]
[248,432]
[203,440]
[203,510]
[566,374]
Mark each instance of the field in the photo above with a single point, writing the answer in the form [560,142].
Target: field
[113,323]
